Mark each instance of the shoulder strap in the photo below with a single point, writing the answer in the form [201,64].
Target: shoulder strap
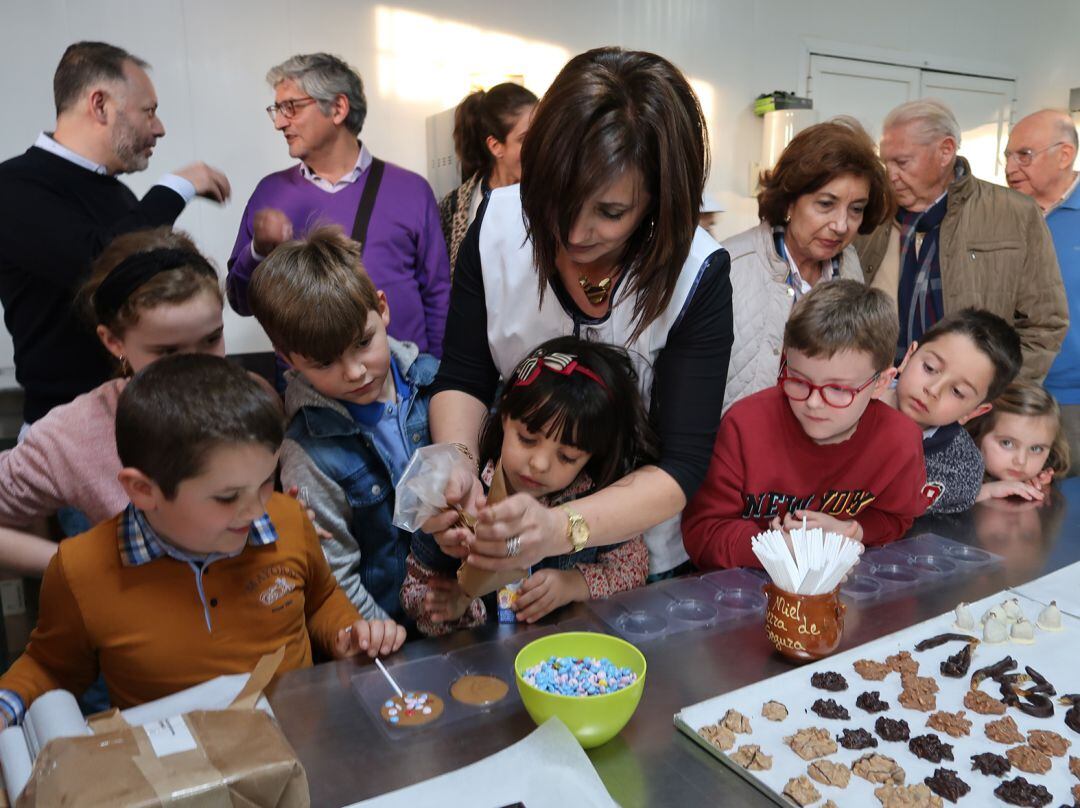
[367,202]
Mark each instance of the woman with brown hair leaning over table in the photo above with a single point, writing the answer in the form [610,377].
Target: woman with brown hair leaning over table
[601,242]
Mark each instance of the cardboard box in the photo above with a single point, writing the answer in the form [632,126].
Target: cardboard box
[201,759]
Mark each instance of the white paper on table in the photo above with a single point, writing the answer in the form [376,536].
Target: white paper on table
[1062,586]
[217,694]
[548,767]
[1053,655]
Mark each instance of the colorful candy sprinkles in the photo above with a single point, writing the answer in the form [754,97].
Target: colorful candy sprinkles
[413,704]
[571,676]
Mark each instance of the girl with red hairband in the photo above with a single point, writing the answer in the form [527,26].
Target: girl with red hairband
[569,421]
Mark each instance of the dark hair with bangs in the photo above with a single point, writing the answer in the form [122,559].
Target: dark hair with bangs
[608,421]
[312,296]
[814,158]
[610,110]
[177,410]
[993,337]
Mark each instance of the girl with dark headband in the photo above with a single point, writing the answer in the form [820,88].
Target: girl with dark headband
[150,293]
[570,421]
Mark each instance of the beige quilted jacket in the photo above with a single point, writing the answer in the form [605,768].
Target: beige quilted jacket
[761,302]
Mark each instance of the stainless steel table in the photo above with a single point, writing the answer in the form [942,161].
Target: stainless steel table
[650,763]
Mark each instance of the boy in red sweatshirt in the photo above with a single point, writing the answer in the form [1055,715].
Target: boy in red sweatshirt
[819,445]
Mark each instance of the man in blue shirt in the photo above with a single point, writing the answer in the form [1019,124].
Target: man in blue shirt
[1039,162]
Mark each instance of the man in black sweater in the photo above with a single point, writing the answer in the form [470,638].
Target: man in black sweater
[61,204]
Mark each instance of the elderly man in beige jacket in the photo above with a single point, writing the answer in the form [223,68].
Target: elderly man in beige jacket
[958,241]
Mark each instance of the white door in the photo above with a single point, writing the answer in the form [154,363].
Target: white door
[983,107]
[864,90]
[869,90]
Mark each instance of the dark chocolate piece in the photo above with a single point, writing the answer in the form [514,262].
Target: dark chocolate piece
[956,666]
[930,747]
[829,680]
[941,639]
[1038,705]
[1019,791]
[1041,684]
[990,764]
[992,671]
[828,708]
[947,785]
[871,702]
[1072,715]
[856,739]
[892,729]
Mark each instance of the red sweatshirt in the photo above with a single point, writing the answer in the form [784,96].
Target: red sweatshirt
[764,465]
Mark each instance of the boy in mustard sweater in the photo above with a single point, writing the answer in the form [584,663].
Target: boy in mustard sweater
[205,571]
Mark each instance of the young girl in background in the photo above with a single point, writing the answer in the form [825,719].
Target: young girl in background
[150,293]
[569,422]
[1022,443]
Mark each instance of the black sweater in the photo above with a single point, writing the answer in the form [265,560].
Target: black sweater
[55,218]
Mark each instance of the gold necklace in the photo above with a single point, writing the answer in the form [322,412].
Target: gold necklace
[597,293]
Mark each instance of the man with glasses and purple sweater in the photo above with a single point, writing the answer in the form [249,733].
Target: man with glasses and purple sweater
[319,107]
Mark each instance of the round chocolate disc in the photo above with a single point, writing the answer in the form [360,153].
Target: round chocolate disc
[479,690]
[416,709]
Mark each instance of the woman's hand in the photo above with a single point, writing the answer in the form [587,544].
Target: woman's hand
[464,490]
[373,637]
[541,532]
[546,590]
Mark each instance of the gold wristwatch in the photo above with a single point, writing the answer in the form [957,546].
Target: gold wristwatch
[577,530]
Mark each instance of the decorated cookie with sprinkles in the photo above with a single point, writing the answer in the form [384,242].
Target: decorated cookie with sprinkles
[414,710]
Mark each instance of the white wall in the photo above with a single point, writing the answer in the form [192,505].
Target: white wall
[209,59]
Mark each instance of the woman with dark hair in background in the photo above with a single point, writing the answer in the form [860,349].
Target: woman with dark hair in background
[489,128]
[600,241]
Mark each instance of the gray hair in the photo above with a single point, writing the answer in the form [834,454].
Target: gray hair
[936,119]
[324,78]
[1066,128]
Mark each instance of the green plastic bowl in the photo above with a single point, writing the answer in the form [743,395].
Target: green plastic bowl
[594,720]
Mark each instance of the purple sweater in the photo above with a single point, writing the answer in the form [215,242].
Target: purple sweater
[405,254]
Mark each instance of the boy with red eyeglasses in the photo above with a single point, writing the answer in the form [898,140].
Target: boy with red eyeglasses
[819,445]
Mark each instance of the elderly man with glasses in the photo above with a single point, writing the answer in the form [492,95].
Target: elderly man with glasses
[1039,162]
[958,241]
[319,107]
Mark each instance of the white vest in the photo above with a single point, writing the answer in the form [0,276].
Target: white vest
[517,322]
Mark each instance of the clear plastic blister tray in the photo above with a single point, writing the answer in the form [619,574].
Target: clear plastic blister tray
[909,563]
[671,607]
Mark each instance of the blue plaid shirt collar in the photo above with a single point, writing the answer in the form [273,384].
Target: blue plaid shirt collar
[140,544]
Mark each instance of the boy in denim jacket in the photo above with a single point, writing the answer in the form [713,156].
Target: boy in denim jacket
[357,401]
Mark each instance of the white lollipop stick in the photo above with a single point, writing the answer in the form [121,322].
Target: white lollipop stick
[389,678]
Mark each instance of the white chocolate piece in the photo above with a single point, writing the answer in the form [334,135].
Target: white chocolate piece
[994,632]
[1023,630]
[1012,609]
[1050,618]
[995,613]
[965,621]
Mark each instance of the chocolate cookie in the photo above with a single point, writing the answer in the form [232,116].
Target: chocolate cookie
[902,663]
[720,737]
[1074,766]
[1019,791]
[916,796]
[878,769]
[829,680]
[946,784]
[828,708]
[1049,743]
[1028,760]
[990,764]
[953,724]
[983,703]
[751,757]
[801,791]
[930,747]
[892,729]
[856,739]
[1004,730]
[871,702]
[811,742]
[736,722]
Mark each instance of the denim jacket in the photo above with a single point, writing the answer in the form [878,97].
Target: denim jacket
[345,480]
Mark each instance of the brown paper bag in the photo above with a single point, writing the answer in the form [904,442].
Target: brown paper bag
[477,582]
[236,756]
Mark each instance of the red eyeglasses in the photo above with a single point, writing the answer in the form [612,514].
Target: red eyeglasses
[837,396]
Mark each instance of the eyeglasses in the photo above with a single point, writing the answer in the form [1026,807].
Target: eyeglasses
[837,396]
[1025,156]
[287,108]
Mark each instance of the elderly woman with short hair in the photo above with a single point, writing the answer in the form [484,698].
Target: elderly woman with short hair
[319,107]
[827,186]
